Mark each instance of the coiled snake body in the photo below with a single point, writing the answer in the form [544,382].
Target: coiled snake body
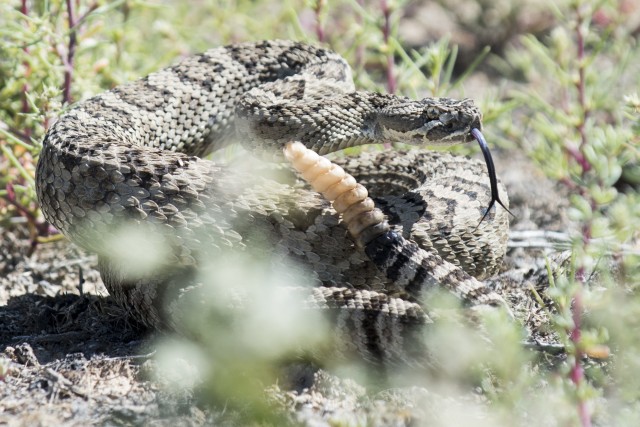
[134,154]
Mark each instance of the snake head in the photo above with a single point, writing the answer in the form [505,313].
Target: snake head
[432,121]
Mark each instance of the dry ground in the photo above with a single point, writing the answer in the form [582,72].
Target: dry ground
[76,359]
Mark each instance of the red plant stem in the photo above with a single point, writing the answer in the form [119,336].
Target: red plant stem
[386,33]
[84,16]
[11,198]
[580,85]
[577,154]
[41,227]
[577,372]
[359,56]
[319,29]
[71,50]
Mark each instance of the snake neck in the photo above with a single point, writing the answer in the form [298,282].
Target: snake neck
[269,117]
[323,125]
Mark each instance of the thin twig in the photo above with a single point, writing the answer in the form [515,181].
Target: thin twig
[130,358]
[69,336]
[71,50]
[318,12]
[585,165]
[15,138]
[386,33]
[538,239]
[40,227]
[577,154]
[577,371]
[360,50]
[550,348]
[85,15]
[27,71]
[74,262]
[15,162]
[63,383]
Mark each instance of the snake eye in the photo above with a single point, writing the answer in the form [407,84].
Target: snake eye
[432,113]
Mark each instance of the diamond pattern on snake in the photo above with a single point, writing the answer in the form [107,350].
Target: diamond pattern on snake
[135,155]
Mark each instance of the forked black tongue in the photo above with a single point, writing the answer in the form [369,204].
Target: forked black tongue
[493,181]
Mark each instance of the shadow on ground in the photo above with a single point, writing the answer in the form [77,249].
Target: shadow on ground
[57,326]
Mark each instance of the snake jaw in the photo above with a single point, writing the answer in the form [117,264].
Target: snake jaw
[431,121]
[439,132]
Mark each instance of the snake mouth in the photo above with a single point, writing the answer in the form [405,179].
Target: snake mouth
[475,124]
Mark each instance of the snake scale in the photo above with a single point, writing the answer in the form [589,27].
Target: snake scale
[135,154]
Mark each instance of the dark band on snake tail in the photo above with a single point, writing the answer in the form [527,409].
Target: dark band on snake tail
[376,232]
[418,272]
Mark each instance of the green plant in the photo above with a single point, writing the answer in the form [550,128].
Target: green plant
[579,127]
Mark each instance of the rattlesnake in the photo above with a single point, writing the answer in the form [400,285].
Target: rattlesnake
[135,153]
